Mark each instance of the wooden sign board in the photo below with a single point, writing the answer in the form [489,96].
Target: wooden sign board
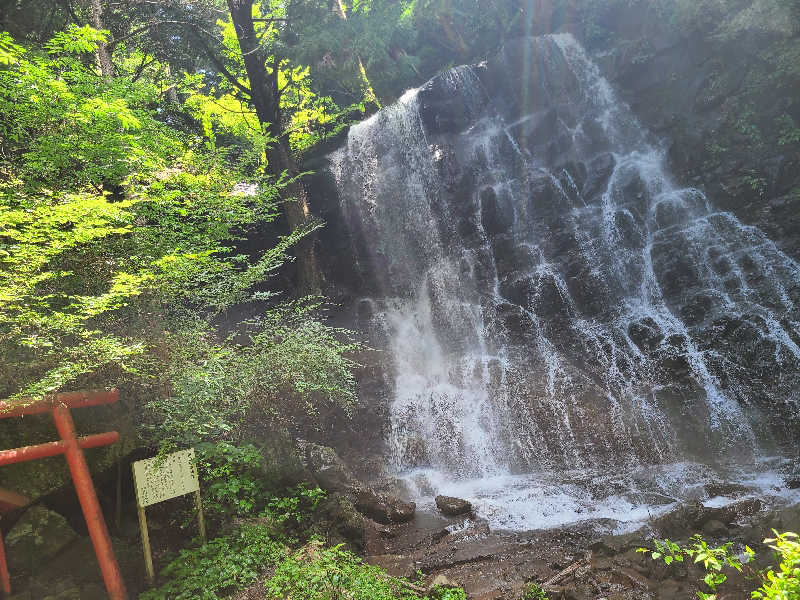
[163,478]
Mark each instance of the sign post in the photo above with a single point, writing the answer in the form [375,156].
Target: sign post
[162,478]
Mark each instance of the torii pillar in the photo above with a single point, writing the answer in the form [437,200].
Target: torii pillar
[70,446]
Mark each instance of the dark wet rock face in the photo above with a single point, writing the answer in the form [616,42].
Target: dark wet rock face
[545,294]
[350,499]
[383,508]
[452,507]
[704,88]
[328,470]
[37,537]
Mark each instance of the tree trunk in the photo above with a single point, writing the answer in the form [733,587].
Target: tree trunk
[171,93]
[265,96]
[103,55]
[369,93]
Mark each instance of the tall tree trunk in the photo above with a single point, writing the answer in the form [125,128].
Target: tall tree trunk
[115,188]
[265,95]
[171,93]
[103,55]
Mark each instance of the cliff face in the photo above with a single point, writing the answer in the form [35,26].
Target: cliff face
[723,88]
[548,291]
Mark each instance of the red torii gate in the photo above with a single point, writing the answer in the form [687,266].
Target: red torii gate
[70,446]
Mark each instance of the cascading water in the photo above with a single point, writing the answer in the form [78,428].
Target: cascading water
[555,306]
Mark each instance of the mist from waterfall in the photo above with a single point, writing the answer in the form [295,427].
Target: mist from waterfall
[564,320]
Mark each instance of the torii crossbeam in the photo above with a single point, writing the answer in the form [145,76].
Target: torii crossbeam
[70,446]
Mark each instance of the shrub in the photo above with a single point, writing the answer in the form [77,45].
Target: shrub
[533,591]
[783,583]
[218,568]
[780,584]
[234,485]
[296,507]
[317,573]
[232,482]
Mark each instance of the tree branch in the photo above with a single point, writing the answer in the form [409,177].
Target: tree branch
[112,44]
[224,71]
[140,69]
[212,56]
[71,11]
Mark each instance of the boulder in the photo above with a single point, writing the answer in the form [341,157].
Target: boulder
[683,520]
[384,508]
[452,507]
[396,565]
[330,471]
[715,529]
[613,545]
[36,538]
[726,489]
[789,518]
[737,510]
[691,518]
[443,581]
[340,512]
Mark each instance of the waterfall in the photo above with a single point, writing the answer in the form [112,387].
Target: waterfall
[554,305]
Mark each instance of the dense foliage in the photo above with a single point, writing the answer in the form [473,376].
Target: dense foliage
[781,582]
[131,191]
[318,573]
[118,234]
[221,566]
[230,563]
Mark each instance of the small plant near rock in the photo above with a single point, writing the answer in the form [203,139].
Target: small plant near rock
[782,583]
[714,559]
[533,591]
[296,506]
[232,481]
[447,593]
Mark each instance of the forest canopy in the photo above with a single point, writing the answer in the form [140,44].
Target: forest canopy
[142,145]
[146,144]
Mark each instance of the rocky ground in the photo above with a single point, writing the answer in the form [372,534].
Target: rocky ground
[52,559]
[575,563]
[584,561]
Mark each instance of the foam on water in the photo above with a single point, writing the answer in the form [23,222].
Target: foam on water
[618,502]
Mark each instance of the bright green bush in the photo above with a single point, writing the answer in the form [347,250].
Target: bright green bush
[533,591]
[234,485]
[220,567]
[781,583]
[227,564]
[296,507]
[317,573]
[232,481]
